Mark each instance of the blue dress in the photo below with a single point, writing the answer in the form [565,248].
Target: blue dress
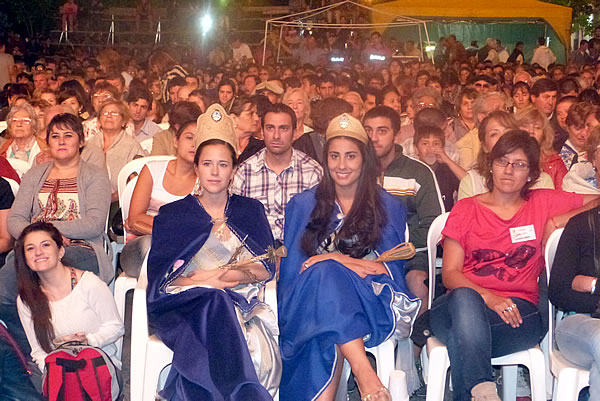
[329,304]
[210,330]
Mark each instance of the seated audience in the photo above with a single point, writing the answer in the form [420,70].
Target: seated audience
[191,280]
[328,301]
[573,151]
[491,308]
[583,176]
[23,142]
[58,303]
[160,182]
[119,148]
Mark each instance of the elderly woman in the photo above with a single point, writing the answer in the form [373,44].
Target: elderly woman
[573,151]
[298,100]
[102,92]
[492,260]
[119,147]
[244,111]
[535,122]
[492,128]
[583,176]
[23,142]
[465,121]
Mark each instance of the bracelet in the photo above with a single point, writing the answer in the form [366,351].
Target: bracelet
[594,286]
[556,227]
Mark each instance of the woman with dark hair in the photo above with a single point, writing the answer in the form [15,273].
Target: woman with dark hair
[520,94]
[490,130]
[160,182]
[492,260]
[244,111]
[465,121]
[77,87]
[58,303]
[73,99]
[333,297]
[227,91]
[199,270]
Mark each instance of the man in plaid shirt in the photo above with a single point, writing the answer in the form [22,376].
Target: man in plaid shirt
[277,172]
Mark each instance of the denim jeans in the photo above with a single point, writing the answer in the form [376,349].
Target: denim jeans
[578,339]
[474,334]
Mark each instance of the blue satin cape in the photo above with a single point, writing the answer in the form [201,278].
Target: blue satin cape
[329,304]
[211,359]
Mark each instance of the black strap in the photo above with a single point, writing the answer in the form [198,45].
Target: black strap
[95,365]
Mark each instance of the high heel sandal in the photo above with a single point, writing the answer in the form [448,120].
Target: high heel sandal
[371,397]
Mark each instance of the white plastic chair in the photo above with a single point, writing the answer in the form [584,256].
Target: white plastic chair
[20,166]
[134,166]
[569,378]
[437,363]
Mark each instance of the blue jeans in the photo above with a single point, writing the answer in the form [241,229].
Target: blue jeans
[474,334]
[578,339]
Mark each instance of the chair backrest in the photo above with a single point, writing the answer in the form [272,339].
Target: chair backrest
[20,166]
[134,166]
[139,314]
[146,144]
[125,201]
[434,236]
[164,126]
[549,254]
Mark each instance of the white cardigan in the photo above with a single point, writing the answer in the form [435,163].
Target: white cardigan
[90,308]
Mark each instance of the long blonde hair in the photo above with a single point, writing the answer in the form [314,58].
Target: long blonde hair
[531,115]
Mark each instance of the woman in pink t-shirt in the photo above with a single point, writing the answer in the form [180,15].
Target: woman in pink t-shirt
[492,260]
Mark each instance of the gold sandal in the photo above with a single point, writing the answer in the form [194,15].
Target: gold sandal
[371,397]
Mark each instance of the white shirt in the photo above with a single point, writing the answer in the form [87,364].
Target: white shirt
[242,51]
[90,308]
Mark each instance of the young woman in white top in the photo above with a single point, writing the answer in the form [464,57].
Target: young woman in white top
[159,182]
[58,303]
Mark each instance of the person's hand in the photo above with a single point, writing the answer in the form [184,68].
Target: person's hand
[43,157]
[440,154]
[66,241]
[78,337]
[505,308]
[213,278]
[361,267]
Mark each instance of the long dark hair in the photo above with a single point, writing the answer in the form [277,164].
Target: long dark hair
[361,230]
[30,289]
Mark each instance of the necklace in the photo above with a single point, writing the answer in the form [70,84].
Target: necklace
[221,224]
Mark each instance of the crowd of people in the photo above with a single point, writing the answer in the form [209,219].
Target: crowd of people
[339,162]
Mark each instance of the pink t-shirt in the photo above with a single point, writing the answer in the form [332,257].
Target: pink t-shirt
[507,265]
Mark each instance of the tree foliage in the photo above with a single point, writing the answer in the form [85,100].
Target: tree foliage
[582,10]
[31,16]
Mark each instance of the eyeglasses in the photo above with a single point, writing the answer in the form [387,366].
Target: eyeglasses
[424,105]
[102,95]
[111,113]
[25,120]
[518,166]
[485,86]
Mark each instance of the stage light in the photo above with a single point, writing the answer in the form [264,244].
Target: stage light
[430,48]
[206,23]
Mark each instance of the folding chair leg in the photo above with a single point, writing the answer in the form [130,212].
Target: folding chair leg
[509,382]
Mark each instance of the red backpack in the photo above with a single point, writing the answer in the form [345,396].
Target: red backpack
[76,372]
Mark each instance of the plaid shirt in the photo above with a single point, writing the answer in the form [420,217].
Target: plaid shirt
[256,180]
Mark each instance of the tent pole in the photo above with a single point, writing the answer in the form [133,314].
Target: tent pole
[265,42]
[279,44]
[420,43]
[427,37]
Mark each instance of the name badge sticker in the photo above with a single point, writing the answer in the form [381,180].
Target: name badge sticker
[522,234]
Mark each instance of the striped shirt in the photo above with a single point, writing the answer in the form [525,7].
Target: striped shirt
[256,180]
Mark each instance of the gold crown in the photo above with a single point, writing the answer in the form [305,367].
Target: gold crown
[346,125]
[215,124]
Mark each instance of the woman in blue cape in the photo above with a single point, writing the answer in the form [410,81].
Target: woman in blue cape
[208,312]
[333,298]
